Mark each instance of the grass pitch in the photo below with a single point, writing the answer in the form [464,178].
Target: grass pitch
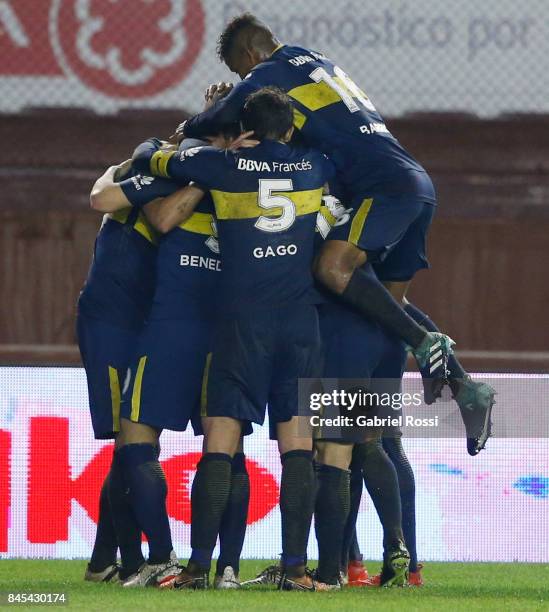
[449,586]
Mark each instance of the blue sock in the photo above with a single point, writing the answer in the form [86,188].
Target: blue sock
[147,493]
[297,499]
[350,549]
[128,531]
[406,482]
[209,497]
[106,545]
[233,523]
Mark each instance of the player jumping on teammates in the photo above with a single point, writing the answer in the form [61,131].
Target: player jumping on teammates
[391,197]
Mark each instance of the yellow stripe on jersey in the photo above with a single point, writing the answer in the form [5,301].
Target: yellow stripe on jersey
[325,212]
[315,96]
[120,215]
[136,393]
[299,119]
[159,162]
[276,49]
[199,223]
[244,205]
[357,224]
[114,385]
[204,392]
[142,226]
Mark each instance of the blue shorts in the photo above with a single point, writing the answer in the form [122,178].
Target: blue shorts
[352,345]
[392,231]
[106,351]
[257,359]
[166,372]
[359,354]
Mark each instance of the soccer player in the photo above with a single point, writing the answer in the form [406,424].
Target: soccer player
[391,196]
[267,336]
[165,378]
[357,353]
[356,350]
[112,309]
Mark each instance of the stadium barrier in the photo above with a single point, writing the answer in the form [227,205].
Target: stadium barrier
[489,508]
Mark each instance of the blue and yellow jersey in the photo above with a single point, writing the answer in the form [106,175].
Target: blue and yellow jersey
[334,115]
[121,279]
[120,282]
[266,203]
[188,267]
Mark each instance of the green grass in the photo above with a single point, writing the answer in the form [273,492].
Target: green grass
[449,587]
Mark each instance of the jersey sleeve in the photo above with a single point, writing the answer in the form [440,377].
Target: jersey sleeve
[199,164]
[224,112]
[142,189]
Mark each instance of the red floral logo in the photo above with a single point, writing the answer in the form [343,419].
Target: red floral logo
[128,48]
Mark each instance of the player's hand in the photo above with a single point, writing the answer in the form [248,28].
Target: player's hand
[220,141]
[231,144]
[178,135]
[244,141]
[215,92]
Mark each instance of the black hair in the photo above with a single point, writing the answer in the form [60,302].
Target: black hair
[269,113]
[246,22]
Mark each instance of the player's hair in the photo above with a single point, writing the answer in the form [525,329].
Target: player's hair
[269,113]
[256,32]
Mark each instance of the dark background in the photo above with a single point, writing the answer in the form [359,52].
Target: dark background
[489,246]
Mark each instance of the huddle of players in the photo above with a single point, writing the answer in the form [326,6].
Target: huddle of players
[234,337]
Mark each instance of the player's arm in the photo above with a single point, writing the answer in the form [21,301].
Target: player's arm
[166,213]
[106,194]
[224,112]
[199,164]
[164,202]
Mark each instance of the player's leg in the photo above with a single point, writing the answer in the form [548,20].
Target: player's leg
[163,393]
[351,558]
[232,529]
[102,566]
[106,351]
[381,482]
[389,373]
[343,265]
[128,531]
[209,496]
[352,350]
[475,399]
[138,453]
[332,505]
[406,481]
[235,392]
[344,269]
[392,367]
[297,498]
[298,354]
